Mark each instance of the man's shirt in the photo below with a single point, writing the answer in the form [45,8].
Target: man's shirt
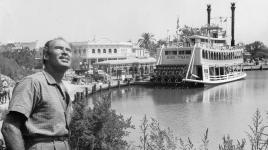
[45,104]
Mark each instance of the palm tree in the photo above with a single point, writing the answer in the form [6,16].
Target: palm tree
[146,41]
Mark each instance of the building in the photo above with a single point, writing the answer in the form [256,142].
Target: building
[91,52]
[27,45]
[130,66]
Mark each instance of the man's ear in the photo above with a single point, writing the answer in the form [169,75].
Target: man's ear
[45,53]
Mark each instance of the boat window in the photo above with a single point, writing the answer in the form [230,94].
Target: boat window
[221,56]
[204,54]
[174,52]
[181,52]
[188,52]
[217,71]
[193,41]
[203,40]
[166,52]
[211,71]
[222,72]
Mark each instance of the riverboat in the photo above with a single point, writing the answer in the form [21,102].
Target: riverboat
[204,59]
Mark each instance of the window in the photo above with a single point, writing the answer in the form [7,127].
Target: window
[174,52]
[188,52]
[93,50]
[104,50]
[99,51]
[75,51]
[181,52]
[84,51]
[110,50]
[115,50]
[166,52]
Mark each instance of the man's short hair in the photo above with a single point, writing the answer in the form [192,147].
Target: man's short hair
[48,44]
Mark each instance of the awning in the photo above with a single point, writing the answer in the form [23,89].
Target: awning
[128,61]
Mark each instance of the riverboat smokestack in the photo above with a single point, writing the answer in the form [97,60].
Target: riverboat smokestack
[208,10]
[233,16]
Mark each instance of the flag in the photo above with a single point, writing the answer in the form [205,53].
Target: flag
[178,23]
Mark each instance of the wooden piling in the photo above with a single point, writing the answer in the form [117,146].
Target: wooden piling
[86,91]
[109,85]
[118,84]
[78,96]
[75,96]
[94,88]
[82,95]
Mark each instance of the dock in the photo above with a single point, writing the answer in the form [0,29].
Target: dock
[255,67]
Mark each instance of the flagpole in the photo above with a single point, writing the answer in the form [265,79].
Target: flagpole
[177,31]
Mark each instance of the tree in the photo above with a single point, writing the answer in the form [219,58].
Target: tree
[257,138]
[98,128]
[6,47]
[76,62]
[24,57]
[160,43]
[146,41]
[187,31]
[9,67]
[255,48]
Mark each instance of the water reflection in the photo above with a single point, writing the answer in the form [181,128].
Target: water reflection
[224,93]
[166,96]
[224,109]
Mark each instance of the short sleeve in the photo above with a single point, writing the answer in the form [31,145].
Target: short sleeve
[24,97]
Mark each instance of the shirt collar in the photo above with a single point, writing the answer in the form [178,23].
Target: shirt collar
[49,78]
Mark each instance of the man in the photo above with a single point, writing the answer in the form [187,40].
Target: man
[40,107]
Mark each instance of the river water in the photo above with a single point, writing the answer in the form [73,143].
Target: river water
[223,109]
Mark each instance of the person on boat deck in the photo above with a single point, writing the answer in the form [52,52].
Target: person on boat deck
[40,107]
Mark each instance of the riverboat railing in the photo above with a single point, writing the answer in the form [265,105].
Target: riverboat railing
[216,47]
[226,77]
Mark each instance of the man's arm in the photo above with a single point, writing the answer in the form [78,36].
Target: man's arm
[11,131]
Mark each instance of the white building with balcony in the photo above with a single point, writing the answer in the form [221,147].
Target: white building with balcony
[90,52]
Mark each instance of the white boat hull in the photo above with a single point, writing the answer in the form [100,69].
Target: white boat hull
[219,81]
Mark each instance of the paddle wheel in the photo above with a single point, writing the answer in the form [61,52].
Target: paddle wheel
[169,73]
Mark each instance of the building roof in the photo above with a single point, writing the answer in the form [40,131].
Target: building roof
[205,37]
[101,42]
[128,61]
[30,45]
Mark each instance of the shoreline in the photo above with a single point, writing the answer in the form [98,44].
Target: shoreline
[255,67]
[86,90]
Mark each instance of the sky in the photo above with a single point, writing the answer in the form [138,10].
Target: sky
[124,20]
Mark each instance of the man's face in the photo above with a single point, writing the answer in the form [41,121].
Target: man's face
[59,55]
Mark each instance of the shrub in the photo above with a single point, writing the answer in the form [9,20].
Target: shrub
[98,128]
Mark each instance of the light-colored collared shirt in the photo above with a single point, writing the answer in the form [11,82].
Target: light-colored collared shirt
[45,103]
